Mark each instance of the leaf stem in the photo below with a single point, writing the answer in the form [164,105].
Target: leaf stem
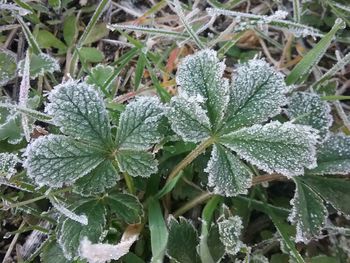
[129,183]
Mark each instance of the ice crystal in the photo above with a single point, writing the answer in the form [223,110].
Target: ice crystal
[7,66]
[8,162]
[23,96]
[309,109]
[39,65]
[230,231]
[61,207]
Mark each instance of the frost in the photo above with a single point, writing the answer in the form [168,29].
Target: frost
[80,112]
[8,163]
[137,163]
[82,219]
[39,65]
[308,213]
[139,124]
[55,160]
[100,253]
[257,93]
[230,231]
[333,156]
[284,148]
[7,66]
[15,9]
[201,74]
[309,109]
[188,118]
[23,96]
[99,75]
[227,174]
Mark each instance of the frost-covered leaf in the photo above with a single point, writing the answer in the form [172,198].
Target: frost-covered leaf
[55,160]
[8,66]
[284,148]
[230,231]
[227,174]
[201,74]
[333,156]
[80,112]
[70,233]
[103,177]
[53,253]
[257,94]
[61,207]
[139,124]
[309,213]
[188,119]
[39,65]
[333,190]
[137,163]
[126,207]
[8,163]
[308,109]
[182,242]
[99,75]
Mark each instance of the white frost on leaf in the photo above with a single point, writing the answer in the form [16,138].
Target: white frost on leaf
[284,148]
[8,162]
[188,119]
[7,66]
[227,174]
[230,231]
[39,65]
[23,96]
[57,204]
[100,253]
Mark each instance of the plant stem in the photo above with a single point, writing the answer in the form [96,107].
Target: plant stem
[206,195]
[129,182]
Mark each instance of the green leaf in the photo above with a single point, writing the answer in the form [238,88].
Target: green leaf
[333,156]
[230,231]
[80,112]
[284,148]
[70,29]
[333,190]
[56,4]
[159,231]
[70,233]
[47,40]
[55,160]
[103,177]
[227,174]
[91,54]
[201,74]
[39,65]
[53,253]
[188,119]
[302,70]
[8,66]
[182,242]
[308,213]
[98,31]
[137,163]
[10,126]
[99,75]
[215,246]
[257,94]
[140,66]
[308,109]
[139,124]
[126,207]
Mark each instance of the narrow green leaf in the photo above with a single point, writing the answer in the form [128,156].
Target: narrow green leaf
[126,207]
[302,70]
[308,213]
[91,54]
[80,112]
[7,66]
[169,186]
[140,66]
[48,40]
[137,163]
[182,242]
[333,156]
[284,148]
[70,29]
[159,231]
[227,174]
[139,124]
[70,233]
[98,31]
[308,109]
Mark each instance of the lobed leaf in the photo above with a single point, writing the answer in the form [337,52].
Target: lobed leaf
[227,174]
[333,156]
[284,148]
[39,65]
[201,74]
[188,119]
[80,112]
[182,242]
[257,94]
[99,76]
[137,163]
[53,253]
[139,124]
[70,233]
[308,213]
[230,231]
[55,160]
[308,109]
